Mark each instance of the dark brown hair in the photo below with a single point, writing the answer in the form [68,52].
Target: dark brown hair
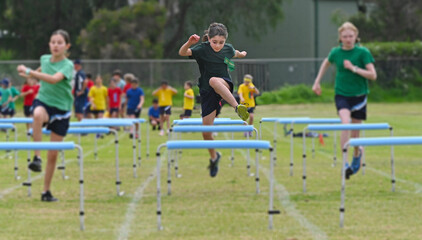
[62,33]
[215,29]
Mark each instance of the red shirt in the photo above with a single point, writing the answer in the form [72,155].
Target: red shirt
[89,84]
[114,97]
[126,87]
[30,97]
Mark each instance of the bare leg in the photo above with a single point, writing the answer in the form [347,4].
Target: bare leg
[51,162]
[162,119]
[209,120]
[250,118]
[167,118]
[221,87]
[355,134]
[40,117]
[345,119]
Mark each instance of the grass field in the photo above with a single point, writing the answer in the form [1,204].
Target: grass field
[226,207]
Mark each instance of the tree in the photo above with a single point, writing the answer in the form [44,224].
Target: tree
[255,17]
[129,32]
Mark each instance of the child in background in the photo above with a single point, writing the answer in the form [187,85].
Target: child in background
[187,100]
[6,97]
[154,115]
[53,104]
[135,101]
[246,93]
[114,95]
[79,90]
[29,92]
[87,107]
[165,101]
[128,78]
[98,98]
[120,83]
[213,58]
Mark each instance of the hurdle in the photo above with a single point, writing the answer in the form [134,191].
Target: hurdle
[54,146]
[343,127]
[202,128]
[379,141]
[110,123]
[217,121]
[79,131]
[225,144]
[8,126]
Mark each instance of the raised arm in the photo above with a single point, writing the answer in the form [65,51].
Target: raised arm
[185,50]
[324,66]
[53,79]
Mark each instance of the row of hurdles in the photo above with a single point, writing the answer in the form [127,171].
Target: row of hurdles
[227,125]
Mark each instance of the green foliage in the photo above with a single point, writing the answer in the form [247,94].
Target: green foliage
[390,50]
[6,54]
[294,94]
[130,32]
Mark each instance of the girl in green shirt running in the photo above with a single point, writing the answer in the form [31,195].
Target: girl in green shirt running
[53,104]
[354,65]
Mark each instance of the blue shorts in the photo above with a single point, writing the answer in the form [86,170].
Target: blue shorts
[356,105]
[211,101]
[58,120]
[136,112]
[79,104]
[165,110]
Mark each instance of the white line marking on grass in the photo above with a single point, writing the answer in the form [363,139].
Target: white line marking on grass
[11,189]
[131,209]
[284,198]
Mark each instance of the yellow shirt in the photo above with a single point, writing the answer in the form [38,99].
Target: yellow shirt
[188,102]
[165,97]
[99,95]
[247,94]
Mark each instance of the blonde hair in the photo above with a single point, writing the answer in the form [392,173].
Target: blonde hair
[128,77]
[348,26]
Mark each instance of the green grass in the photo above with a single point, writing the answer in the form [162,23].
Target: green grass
[226,207]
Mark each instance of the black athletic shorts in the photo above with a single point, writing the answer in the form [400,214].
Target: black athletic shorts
[95,112]
[187,113]
[28,111]
[356,105]
[112,110]
[211,101]
[165,110]
[251,109]
[136,112]
[58,120]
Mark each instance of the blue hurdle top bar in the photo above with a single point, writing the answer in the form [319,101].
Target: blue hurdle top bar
[89,130]
[227,144]
[243,128]
[37,145]
[317,121]
[135,120]
[278,119]
[339,127]
[102,123]
[216,122]
[6,126]
[383,141]
[16,120]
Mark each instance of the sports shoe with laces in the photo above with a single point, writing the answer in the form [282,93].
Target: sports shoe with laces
[213,167]
[48,197]
[35,165]
[242,112]
[356,161]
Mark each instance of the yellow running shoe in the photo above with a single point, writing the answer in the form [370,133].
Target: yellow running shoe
[242,111]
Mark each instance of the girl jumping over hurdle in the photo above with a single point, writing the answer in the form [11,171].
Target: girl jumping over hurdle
[213,58]
[355,65]
[53,104]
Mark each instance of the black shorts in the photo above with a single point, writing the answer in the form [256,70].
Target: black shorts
[28,111]
[97,111]
[112,110]
[211,101]
[165,110]
[136,111]
[187,113]
[356,105]
[251,109]
[58,120]
[6,111]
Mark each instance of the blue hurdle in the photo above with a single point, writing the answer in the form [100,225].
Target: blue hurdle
[342,127]
[79,131]
[110,123]
[54,146]
[174,145]
[7,127]
[203,128]
[217,121]
[379,141]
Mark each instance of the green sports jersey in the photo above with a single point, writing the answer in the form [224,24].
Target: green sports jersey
[5,94]
[350,84]
[14,93]
[57,95]
[211,63]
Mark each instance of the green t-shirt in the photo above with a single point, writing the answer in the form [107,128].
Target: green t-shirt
[14,93]
[350,84]
[5,94]
[211,62]
[57,95]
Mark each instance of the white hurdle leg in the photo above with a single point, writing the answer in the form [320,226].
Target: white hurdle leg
[148,126]
[343,186]
[291,149]
[304,160]
[134,153]
[139,144]
[335,149]
[81,184]
[63,166]
[95,146]
[17,177]
[393,176]
[248,158]
[313,146]
[169,153]
[7,139]
[159,226]
[177,153]
[363,156]
[275,138]
[232,157]
[257,165]
[271,210]
[28,181]
[116,143]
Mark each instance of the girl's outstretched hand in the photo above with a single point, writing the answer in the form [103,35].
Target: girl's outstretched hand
[242,54]
[194,39]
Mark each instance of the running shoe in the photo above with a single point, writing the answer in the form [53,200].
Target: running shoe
[35,165]
[242,112]
[213,167]
[357,162]
[48,197]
